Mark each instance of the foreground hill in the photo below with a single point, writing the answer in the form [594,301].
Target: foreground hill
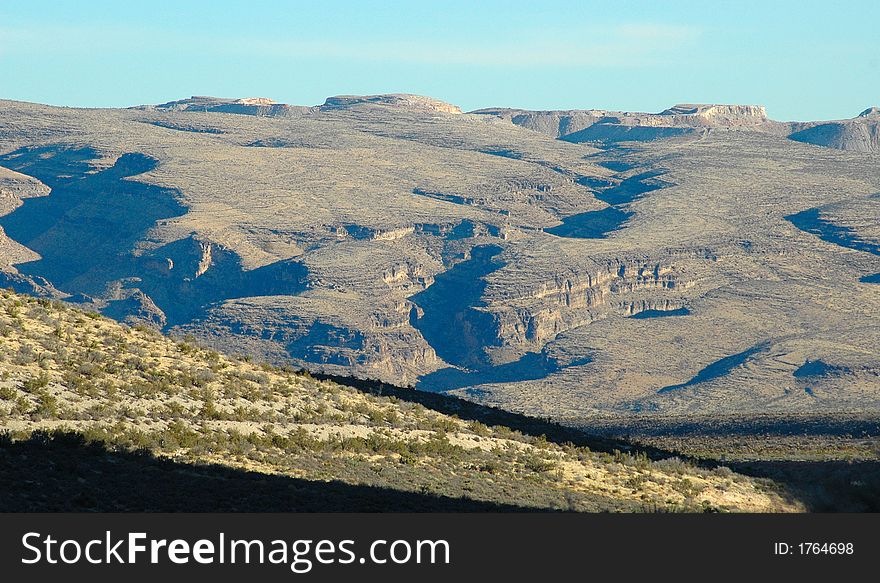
[236,435]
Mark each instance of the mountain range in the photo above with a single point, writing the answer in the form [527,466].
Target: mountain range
[580,264]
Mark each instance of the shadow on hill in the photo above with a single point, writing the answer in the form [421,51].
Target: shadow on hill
[84,230]
[823,486]
[491,416]
[89,229]
[62,473]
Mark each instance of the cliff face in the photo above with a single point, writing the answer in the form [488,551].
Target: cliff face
[717,115]
[860,134]
[528,320]
[259,106]
[15,187]
[396,100]
[613,126]
[550,123]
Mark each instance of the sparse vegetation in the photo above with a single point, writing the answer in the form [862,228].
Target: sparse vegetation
[130,389]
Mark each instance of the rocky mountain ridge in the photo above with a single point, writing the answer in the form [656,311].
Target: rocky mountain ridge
[856,134]
[590,125]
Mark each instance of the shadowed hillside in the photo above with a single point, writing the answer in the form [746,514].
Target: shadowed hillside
[63,473]
[80,394]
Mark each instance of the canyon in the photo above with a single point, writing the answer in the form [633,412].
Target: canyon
[578,264]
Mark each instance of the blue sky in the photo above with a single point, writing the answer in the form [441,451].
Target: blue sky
[803,60]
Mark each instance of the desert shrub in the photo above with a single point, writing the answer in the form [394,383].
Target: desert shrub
[240,444]
[537,464]
[79,384]
[177,435]
[686,488]
[202,378]
[173,410]
[479,429]
[209,407]
[137,363]
[21,406]
[36,383]
[142,389]
[673,465]
[256,377]
[299,439]
[489,467]
[89,370]
[157,384]
[723,472]
[94,355]
[636,482]
[98,411]
[231,388]
[47,405]
[438,423]
[25,355]
[392,417]
[638,460]
[186,348]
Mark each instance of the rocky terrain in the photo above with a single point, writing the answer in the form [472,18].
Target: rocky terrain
[705,260]
[859,134]
[95,415]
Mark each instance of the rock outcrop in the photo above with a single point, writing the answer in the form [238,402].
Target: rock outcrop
[578,125]
[716,115]
[551,123]
[595,125]
[259,106]
[403,101]
[859,134]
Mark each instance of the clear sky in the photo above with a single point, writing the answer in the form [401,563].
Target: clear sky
[802,59]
